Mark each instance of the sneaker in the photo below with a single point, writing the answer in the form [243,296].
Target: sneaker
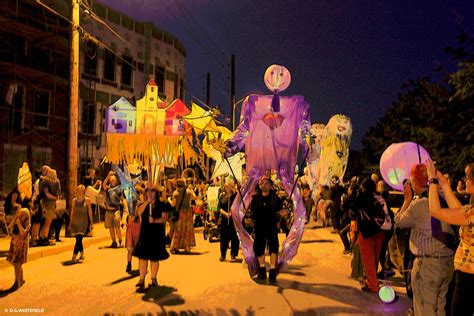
[272,276]
[129,267]
[222,259]
[233,259]
[141,283]
[346,252]
[113,245]
[59,240]
[262,273]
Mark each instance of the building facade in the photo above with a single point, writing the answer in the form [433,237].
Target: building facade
[122,68]
[34,86]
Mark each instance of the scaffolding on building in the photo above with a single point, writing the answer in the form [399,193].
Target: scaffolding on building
[33,85]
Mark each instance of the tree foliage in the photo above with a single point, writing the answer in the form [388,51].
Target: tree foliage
[437,115]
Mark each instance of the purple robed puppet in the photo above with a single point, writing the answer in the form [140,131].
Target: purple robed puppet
[272,128]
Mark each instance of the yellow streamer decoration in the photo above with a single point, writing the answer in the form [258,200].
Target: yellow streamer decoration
[160,149]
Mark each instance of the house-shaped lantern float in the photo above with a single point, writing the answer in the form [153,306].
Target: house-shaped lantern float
[121,117]
[150,112]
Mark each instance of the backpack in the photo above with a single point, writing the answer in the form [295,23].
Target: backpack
[374,217]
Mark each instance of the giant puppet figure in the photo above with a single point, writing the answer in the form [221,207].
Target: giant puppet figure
[272,128]
[311,169]
[334,149]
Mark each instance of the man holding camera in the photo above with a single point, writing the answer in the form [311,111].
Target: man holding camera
[433,267]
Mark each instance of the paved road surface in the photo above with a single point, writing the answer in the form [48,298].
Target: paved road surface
[316,283]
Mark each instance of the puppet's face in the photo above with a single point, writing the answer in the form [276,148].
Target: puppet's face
[340,125]
[317,130]
[277,78]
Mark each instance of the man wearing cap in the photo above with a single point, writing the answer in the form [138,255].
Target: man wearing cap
[431,242]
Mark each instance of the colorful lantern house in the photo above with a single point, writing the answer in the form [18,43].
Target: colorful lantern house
[174,123]
[121,117]
[150,112]
[159,136]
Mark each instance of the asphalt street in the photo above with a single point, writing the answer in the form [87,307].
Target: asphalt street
[317,282]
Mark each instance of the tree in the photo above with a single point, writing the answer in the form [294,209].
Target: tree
[437,115]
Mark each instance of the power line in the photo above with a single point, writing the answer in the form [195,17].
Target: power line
[195,37]
[187,13]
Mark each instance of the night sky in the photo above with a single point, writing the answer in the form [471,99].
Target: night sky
[347,57]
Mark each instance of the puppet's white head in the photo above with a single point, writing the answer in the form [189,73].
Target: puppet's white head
[277,78]
[340,125]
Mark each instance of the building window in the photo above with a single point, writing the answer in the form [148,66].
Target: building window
[41,101]
[13,156]
[160,78]
[88,118]
[181,88]
[127,71]
[175,88]
[16,97]
[41,156]
[90,63]
[109,66]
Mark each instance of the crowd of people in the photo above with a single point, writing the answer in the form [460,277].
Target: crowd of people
[440,233]
[359,211]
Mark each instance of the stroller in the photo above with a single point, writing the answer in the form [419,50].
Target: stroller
[211,229]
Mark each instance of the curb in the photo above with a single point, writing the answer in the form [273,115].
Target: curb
[54,250]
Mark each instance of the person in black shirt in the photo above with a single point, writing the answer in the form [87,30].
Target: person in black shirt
[337,191]
[12,200]
[265,208]
[226,224]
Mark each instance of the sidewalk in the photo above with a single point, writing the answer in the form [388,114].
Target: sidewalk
[66,245]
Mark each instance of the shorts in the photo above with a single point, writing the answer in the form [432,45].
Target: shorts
[264,238]
[112,218]
[37,215]
[49,210]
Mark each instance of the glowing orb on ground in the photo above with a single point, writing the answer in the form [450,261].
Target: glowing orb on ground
[387,294]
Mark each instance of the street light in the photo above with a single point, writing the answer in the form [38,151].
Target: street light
[234,106]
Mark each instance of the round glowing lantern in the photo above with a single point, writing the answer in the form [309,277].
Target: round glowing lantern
[387,294]
[396,161]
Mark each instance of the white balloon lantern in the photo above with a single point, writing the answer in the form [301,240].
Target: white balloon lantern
[397,160]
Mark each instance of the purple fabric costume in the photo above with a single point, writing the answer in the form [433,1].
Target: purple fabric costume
[271,141]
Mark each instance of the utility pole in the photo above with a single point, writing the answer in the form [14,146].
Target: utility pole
[232,91]
[73,105]
[208,89]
